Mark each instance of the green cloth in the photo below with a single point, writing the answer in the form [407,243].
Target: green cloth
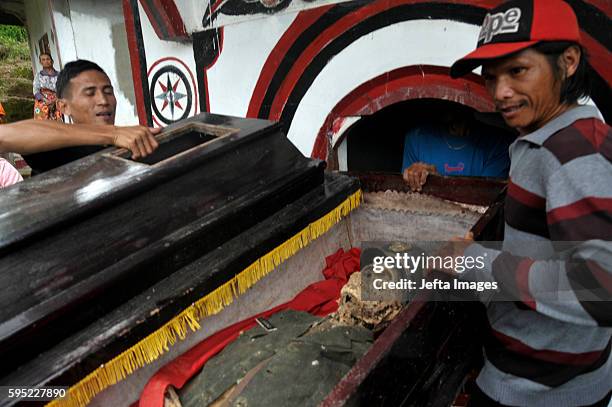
[299,370]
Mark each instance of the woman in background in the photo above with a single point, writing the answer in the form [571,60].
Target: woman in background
[44,90]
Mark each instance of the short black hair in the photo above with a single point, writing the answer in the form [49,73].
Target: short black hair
[576,86]
[71,70]
[45,53]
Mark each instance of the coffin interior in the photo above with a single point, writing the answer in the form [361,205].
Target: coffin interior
[394,216]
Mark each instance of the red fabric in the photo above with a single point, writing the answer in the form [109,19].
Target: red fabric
[551,20]
[318,299]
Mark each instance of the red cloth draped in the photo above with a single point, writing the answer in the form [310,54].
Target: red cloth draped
[318,299]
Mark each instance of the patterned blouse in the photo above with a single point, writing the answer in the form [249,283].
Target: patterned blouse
[44,80]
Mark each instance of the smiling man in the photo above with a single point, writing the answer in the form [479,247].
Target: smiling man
[86,96]
[551,346]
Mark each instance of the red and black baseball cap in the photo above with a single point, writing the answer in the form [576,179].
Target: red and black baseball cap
[516,25]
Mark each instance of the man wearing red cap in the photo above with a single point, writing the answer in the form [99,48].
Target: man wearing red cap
[551,346]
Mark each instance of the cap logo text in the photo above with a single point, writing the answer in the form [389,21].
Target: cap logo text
[500,23]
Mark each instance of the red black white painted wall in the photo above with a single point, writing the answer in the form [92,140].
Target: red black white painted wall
[317,66]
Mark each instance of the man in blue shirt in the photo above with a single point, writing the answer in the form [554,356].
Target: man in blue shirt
[453,148]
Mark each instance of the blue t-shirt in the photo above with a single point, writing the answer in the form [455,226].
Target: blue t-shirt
[476,155]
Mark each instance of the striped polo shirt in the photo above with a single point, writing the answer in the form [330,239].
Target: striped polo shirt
[551,346]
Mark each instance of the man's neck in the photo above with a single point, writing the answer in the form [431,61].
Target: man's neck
[558,111]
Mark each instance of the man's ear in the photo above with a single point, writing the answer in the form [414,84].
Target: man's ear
[570,58]
[63,106]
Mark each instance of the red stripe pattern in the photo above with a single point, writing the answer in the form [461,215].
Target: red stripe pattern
[341,26]
[580,208]
[525,197]
[406,83]
[566,358]
[603,277]
[570,319]
[135,62]
[299,25]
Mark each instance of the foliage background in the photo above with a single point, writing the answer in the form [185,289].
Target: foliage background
[15,73]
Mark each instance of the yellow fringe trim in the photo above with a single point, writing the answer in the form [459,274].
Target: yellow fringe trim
[159,342]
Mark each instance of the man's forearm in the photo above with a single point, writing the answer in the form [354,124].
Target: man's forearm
[32,136]
[569,290]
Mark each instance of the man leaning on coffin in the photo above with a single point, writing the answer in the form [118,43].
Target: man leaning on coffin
[86,96]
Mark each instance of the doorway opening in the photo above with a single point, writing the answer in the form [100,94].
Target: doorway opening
[376,142]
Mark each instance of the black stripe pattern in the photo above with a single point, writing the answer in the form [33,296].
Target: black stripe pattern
[526,218]
[594,298]
[569,144]
[457,12]
[539,371]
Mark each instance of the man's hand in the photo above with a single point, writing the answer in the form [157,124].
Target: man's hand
[455,248]
[139,140]
[416,174]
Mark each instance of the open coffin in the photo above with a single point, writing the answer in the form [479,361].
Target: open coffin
[422,358]
[108,263]
[440,338]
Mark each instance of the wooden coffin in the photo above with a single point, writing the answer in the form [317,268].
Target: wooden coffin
[423,357]
[106,254]
[109,264]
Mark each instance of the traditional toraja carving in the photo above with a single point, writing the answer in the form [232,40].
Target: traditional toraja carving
[173,91]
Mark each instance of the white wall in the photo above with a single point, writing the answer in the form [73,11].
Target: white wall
[404,44]
[157,54]
[87,29]
[99,35]
[192,12]
[60,15]
[38,24]
[246,46]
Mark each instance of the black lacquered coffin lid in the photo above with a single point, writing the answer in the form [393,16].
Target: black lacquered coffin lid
[79,243]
